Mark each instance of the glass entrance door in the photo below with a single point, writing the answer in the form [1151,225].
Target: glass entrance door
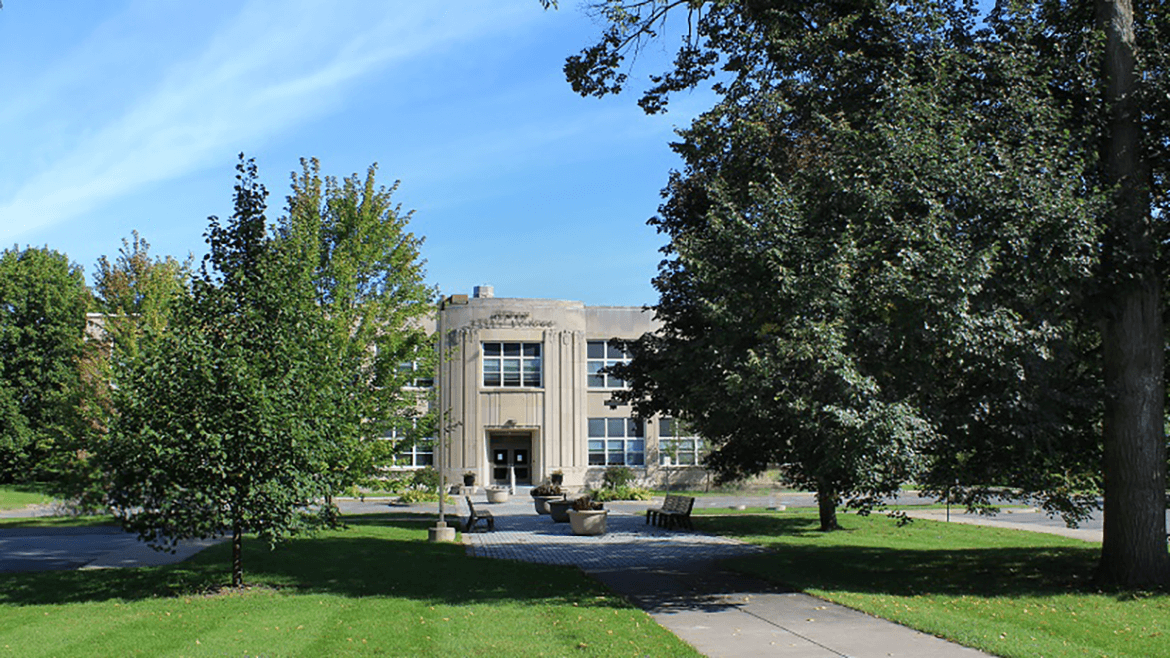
[511,451]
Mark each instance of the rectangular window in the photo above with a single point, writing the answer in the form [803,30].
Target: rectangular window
[511,364]
[601,354]
[676,445]
[413,453]
[617,442]
[416,375]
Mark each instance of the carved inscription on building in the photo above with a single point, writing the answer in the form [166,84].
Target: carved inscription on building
[509,320]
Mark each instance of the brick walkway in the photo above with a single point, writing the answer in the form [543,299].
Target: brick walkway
[628,543]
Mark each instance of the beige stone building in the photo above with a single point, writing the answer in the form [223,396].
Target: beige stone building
[522,394]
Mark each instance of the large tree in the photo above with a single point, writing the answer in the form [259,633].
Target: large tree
[253,401]
[365,269]
[134,295]
[43,302]
[935,215]
[219,418]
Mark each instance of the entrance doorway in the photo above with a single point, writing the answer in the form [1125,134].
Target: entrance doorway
[511,450]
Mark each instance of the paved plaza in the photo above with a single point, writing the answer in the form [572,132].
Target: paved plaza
[629,542]
[674,575]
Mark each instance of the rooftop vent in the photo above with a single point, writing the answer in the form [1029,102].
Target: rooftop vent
[484,292]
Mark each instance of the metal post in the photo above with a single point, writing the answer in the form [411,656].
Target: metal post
[440,533]
[440,459]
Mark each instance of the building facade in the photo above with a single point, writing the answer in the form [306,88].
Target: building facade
[522,393]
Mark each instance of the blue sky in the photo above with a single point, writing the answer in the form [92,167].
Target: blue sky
[128,115]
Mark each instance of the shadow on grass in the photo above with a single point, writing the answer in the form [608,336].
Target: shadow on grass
[378,555]
[804,557]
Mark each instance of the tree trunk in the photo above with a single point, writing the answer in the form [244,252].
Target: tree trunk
[237,555]
[827,505]
[1133,341]
[1134,550]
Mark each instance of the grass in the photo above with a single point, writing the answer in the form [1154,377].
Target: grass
[717,491]
[58,521]
[1007,592]
[16,496]
[749,510]
[376,588]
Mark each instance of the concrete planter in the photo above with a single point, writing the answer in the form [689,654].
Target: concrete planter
[589,522]
[541,503]
[497,495]
[559,510]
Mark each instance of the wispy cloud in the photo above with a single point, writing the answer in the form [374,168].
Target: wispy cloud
[266,69]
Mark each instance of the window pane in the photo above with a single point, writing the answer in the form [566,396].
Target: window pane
[596,428]
[597,459]
[595,349]
[686,458]
[615,426]
[636,446]
[615,459]
[635,427]
[532,372]
[596,380]
[491,372]
[511,349]
[597,446]
[614,352]
[665,427]
[615,446]
[491,349]
[635,459]
[688,444]
[614,381]
[511,372]
[532,349]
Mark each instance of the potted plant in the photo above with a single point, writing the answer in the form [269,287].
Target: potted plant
[557,477]
[587,517]
[559,510]
[496,494]
[469,479]
[543,494]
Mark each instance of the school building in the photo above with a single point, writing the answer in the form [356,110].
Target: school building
[522,394]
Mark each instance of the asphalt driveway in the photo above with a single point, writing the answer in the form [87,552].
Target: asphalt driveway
[49,549]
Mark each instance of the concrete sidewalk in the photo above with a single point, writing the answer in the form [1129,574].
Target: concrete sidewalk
[675,577]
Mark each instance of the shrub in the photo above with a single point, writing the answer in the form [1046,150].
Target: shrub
[418,496]
[622,493]
[618,476]
[426,478]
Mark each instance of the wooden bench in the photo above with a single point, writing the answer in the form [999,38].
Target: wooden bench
[474,517]
[675,512]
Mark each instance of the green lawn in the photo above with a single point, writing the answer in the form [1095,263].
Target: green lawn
[378,589]
[58,521]
[1011,593]
[16,496]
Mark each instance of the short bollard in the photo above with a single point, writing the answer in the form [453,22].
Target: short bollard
[441,533]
